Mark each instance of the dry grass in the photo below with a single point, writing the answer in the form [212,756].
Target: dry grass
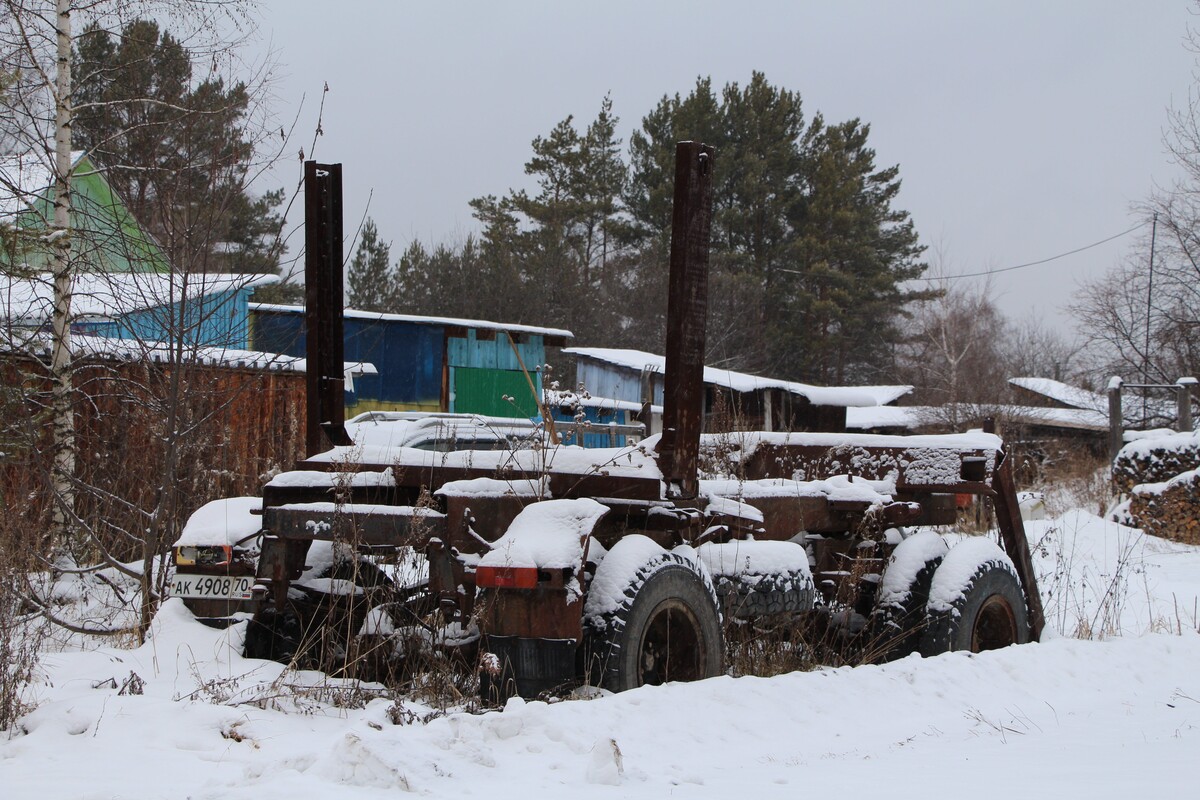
[21,630]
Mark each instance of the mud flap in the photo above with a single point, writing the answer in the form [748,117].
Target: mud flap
[516,665]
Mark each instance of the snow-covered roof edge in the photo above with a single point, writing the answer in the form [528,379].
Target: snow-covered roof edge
[107,295]
[1064,393]
[847,396]
[84,345]
[417,319]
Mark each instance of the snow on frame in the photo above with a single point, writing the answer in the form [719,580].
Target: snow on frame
[495,487]
[956,442]
[546,535]
[635,461]
[835,487]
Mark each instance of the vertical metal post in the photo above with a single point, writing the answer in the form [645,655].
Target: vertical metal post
[1183,404]
[687,310]
[324,346]
[1115,420]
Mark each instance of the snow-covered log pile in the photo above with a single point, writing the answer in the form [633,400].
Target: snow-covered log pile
[1155,459]
[1170,509]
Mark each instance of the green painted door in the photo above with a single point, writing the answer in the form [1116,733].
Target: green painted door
[482,391]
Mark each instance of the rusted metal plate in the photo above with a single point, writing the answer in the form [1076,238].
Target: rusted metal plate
[533,613]
[372,526]
[474,521]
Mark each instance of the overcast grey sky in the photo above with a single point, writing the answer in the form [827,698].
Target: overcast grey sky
[1022,129]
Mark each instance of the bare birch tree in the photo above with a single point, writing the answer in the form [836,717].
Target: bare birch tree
[37,43]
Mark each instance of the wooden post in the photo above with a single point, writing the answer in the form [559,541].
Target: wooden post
[646,389]
[1183,403]
[1115,420]
[687,312]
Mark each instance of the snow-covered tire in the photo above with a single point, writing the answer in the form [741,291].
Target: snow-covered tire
[756,596]
[663,626]
[898,619]
[975,602]
[755,579]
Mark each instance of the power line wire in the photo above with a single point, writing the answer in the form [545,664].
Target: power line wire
[1035,263]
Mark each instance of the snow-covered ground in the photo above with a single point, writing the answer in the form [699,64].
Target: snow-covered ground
[1114,715]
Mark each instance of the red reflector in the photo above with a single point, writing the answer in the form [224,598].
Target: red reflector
[506,577]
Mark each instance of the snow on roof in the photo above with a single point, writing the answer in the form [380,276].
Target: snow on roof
[917,416]
[848,396]
[417,319]
[1063,393]
[113,294]
[88,345]
[1077,398]
[886,417]
[24,178]
[1077,418]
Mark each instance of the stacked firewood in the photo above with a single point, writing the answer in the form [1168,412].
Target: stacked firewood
[1161,475]
[1155,459]
[1170,509]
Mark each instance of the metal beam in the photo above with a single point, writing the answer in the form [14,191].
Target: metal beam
[687,312]
[326,412]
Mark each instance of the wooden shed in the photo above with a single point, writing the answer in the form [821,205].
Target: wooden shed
[426,363]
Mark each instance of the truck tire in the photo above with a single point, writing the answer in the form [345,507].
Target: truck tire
[769,595]
[898,619]
[666,628]
[753,582]
[984,611]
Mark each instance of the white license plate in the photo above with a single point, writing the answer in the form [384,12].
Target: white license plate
[212,587]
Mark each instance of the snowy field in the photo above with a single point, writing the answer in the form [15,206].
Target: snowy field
[1114,715]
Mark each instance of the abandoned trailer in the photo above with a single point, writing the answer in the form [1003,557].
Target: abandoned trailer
[549,566]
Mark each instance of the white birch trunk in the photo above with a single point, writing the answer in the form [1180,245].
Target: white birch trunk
[63,468]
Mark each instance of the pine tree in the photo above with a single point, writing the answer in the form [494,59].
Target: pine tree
[553,248]
[175,148]
[369,276]
[807,253]
[853,252]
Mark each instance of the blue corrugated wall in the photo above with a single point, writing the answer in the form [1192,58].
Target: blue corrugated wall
[217,320]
